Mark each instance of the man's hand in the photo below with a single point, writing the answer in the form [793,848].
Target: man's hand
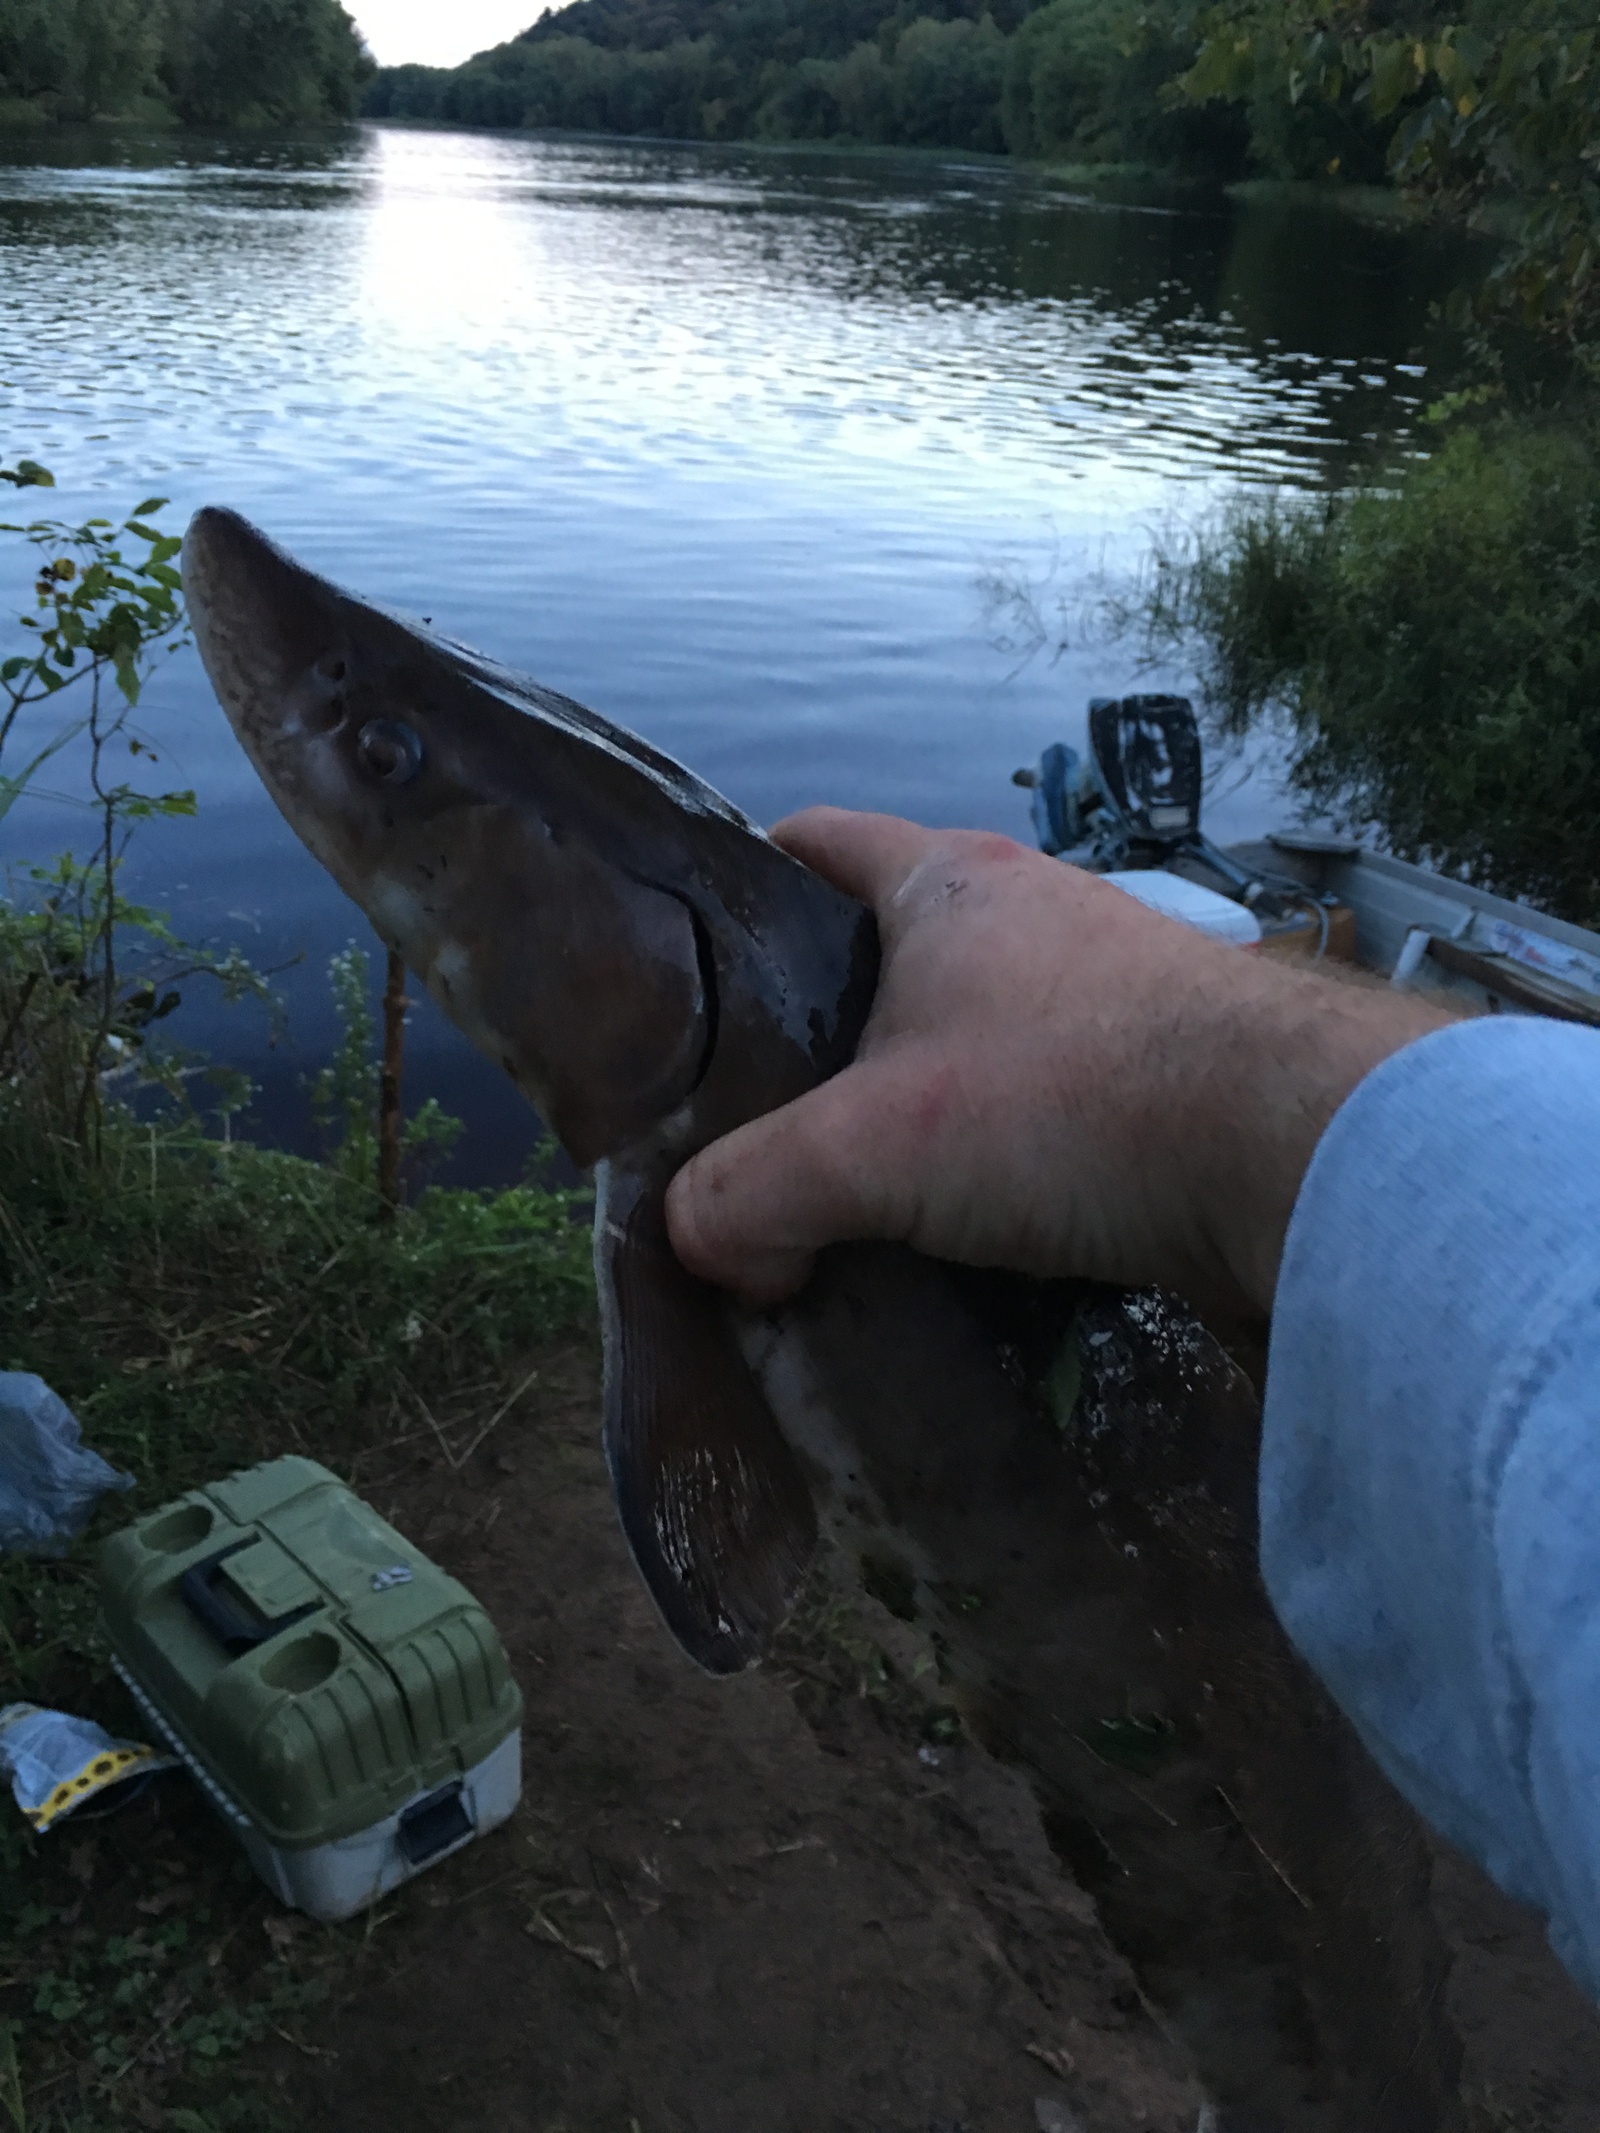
[1053,1078]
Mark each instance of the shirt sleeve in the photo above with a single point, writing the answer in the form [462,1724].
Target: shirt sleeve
[1430,1470]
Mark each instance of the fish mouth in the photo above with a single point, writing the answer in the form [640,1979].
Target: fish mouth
[280,646]
[261,622]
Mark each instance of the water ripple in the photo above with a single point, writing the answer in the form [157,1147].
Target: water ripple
[719,440]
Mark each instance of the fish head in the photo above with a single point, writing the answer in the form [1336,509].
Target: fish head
[474,819]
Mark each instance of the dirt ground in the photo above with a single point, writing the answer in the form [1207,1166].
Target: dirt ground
[791,1901]
[713,1914]
[800,1901]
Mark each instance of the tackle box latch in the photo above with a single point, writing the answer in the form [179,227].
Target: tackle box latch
[233,1629]
[433,1824]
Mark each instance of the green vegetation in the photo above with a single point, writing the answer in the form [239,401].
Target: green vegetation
[1430,644]
[84,974]
[1074,81]
[201,1302]
[204,62]
[1431,651]
[1490,111]
[202,1305]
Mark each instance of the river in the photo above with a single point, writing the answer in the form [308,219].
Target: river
[726,442]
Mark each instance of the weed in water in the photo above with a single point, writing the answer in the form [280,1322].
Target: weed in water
[1427,651]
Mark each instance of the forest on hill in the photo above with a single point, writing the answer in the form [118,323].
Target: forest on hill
[1078,80]
[199,62]
[1081,81]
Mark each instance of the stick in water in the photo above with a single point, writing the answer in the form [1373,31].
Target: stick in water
[394,1025]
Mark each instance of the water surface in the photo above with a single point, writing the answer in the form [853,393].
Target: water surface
[724,442]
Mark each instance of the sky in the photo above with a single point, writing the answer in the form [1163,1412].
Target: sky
[439,35]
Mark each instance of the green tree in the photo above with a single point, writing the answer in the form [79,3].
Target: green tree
[805,104]
[566,82]
[219,62]
[35,47]
[263,62]
[864,94]
[1493,113]
[115,46]
[1058,69]
[1086,82]
[1078,77]
[946,84]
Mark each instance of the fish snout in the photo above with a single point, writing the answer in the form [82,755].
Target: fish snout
[266,630]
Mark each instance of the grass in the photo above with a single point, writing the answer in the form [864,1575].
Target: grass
[202,1305]
[1428,649]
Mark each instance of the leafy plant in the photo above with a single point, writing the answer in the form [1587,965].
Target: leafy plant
[84,973]
[345,1093]
[99,615]
[1495,115]
[1429,652]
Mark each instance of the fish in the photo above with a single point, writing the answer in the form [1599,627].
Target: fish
[1051,1482]
[649,968]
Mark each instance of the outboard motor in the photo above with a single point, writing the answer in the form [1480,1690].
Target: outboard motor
[1137,801]
[1147,759]
[1058,820]
[1136,804]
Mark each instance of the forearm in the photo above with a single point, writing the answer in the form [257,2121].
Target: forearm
[1430,1481]
[1283,1051]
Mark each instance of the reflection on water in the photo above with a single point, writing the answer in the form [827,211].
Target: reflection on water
[720,441]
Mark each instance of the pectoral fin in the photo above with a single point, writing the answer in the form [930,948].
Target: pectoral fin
[714,1505]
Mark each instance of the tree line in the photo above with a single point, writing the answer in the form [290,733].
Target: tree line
[1428,644]
[201,62]
[1072,80]
[1293,88]
[1489,111]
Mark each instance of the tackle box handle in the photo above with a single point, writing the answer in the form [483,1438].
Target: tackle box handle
[227,1622]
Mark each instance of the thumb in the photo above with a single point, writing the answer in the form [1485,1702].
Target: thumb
[751,1211]
[868,856]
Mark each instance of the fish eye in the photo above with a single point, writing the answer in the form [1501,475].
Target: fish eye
[389,750]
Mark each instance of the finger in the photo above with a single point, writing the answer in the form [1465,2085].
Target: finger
[751,1211]
[868,856]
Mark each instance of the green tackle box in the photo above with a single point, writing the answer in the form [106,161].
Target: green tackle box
[344,1704]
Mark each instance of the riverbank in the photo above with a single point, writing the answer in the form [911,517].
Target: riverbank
[1426,645]
[799,1898]
[201,1305]
[721,1905]
[1133,183]
[699,1869]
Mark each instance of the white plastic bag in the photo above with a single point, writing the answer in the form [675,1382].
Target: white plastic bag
[49,1480]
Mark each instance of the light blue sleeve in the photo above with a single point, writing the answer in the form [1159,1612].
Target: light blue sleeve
[1430,1469]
